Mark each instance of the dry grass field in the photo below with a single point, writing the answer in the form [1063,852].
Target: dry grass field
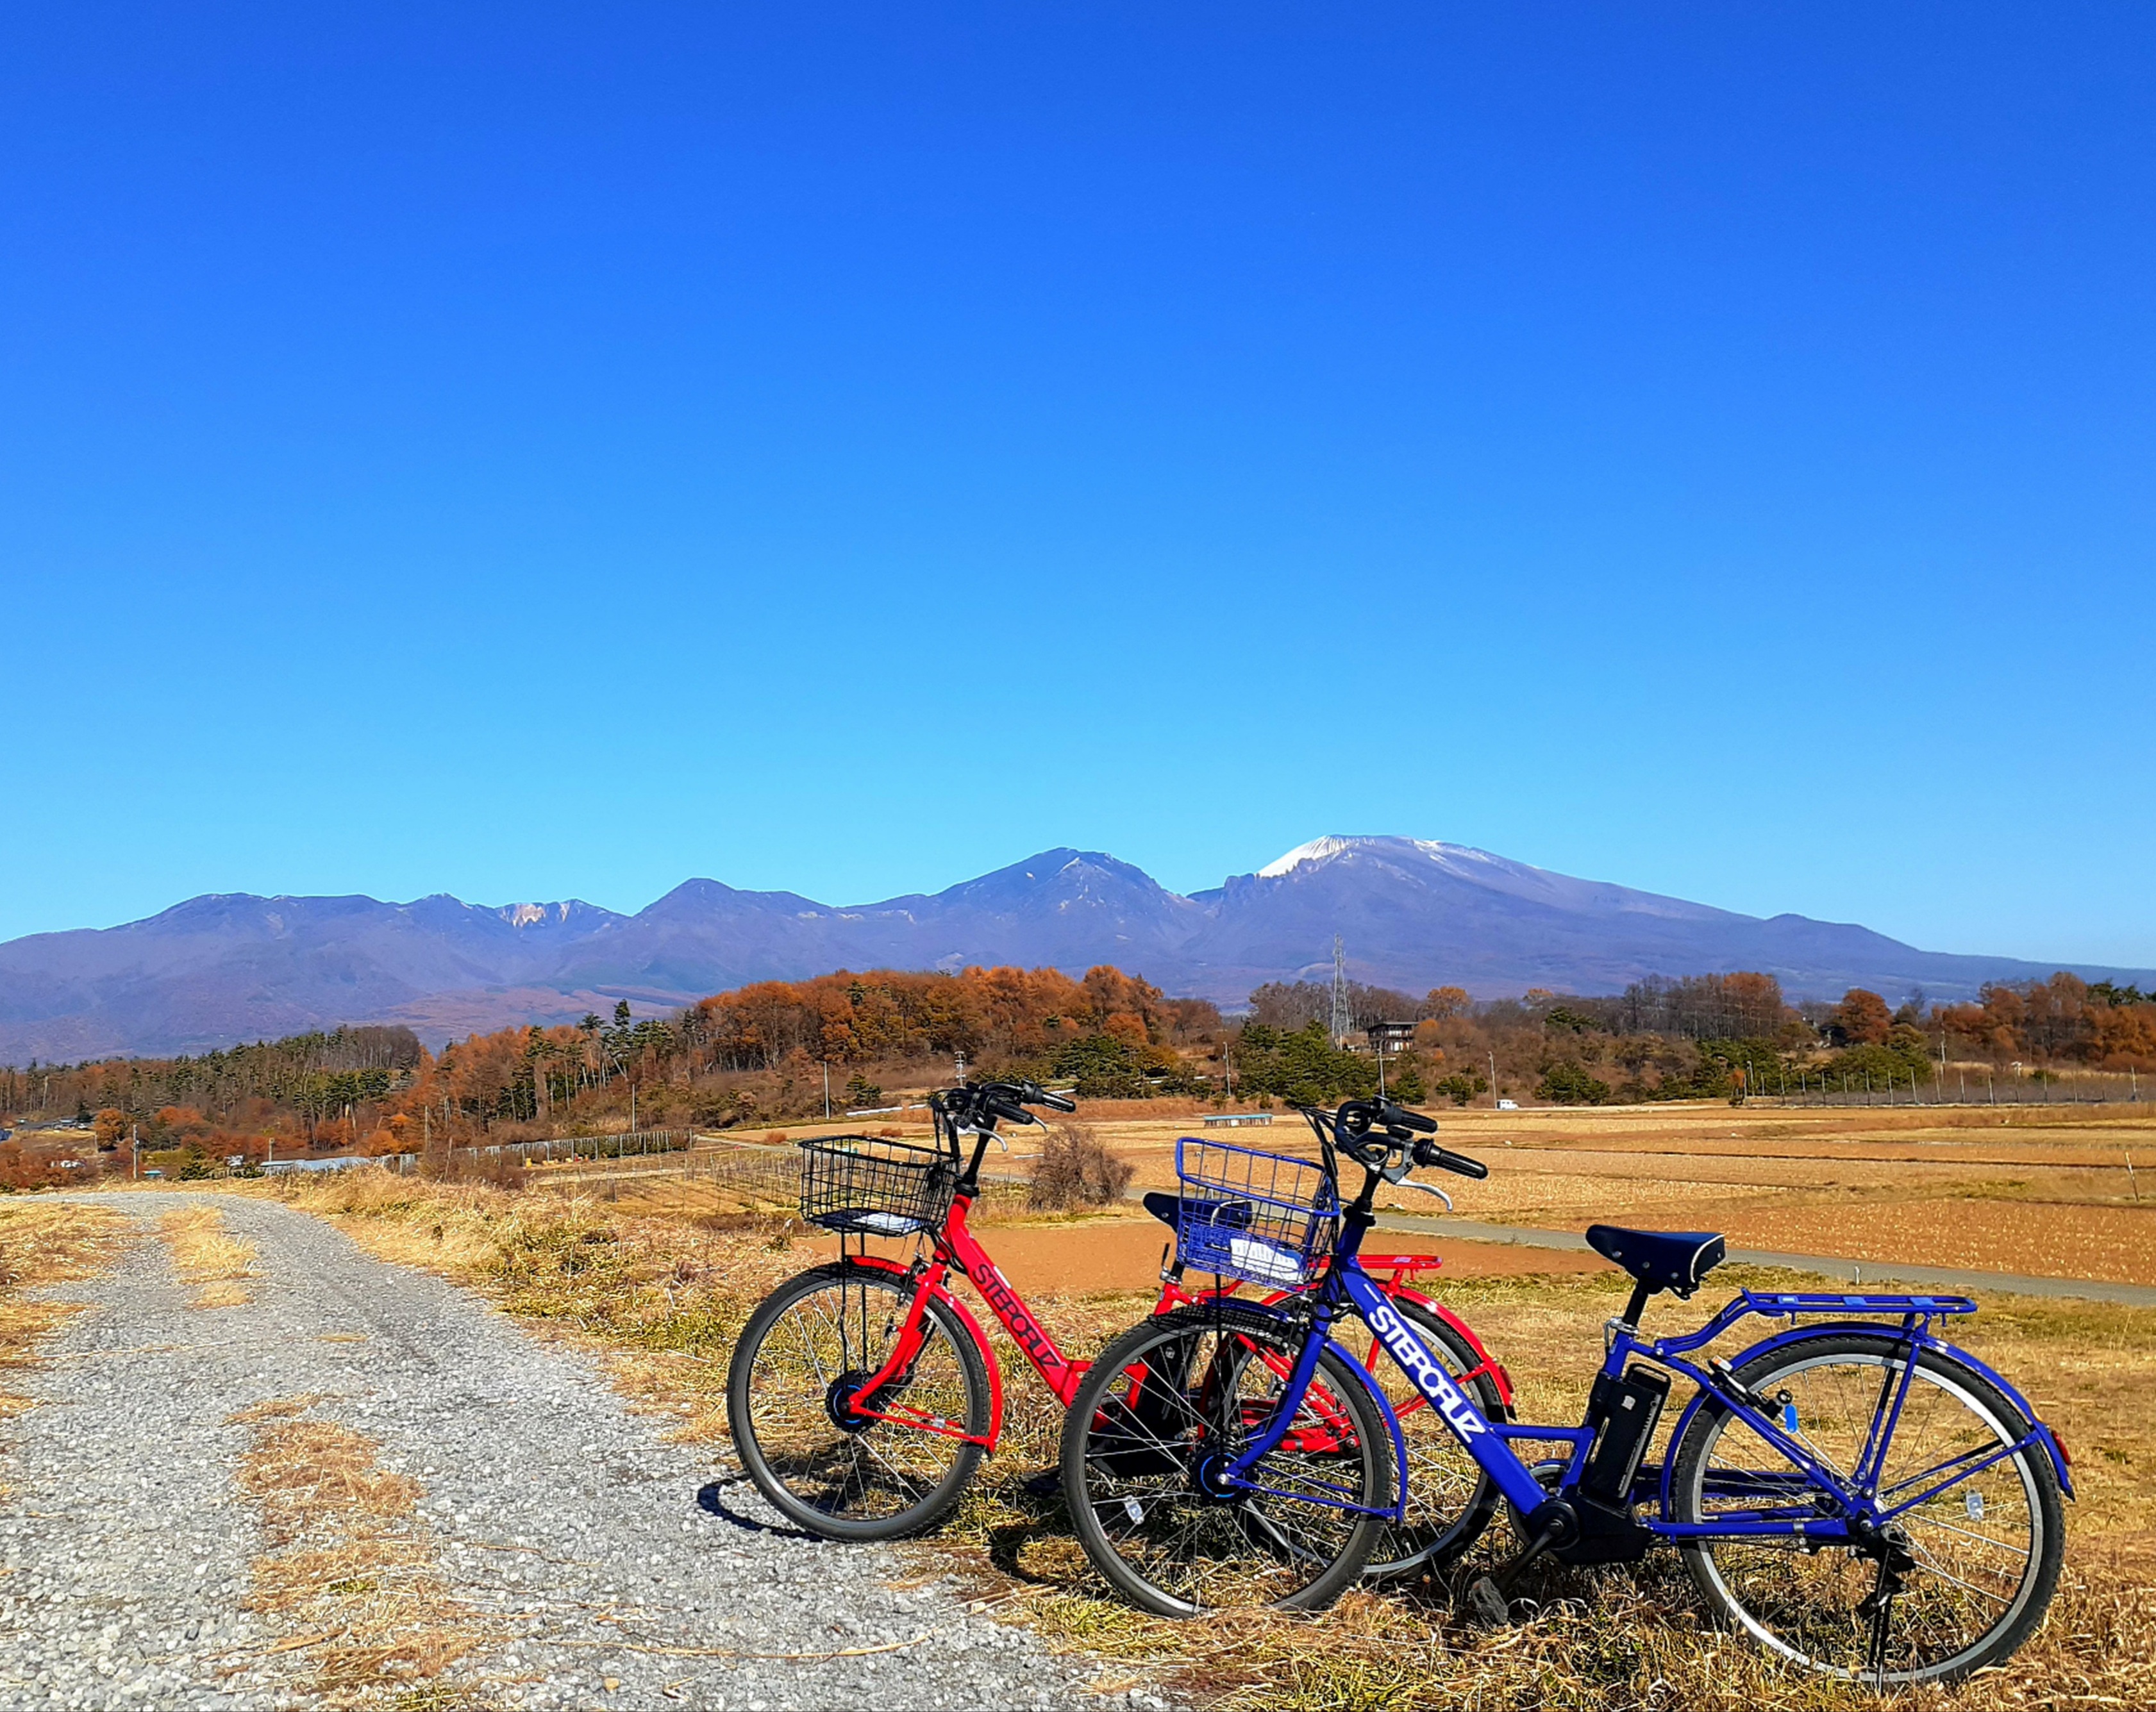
[2055,1191]
[660,1280]
[2036,1190]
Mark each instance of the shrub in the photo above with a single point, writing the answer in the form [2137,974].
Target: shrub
[497,1171]
[1566,1084]
[1076,1169]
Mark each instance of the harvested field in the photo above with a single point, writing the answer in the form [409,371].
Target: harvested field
[2033,1191]
[2037,1191]
[2045,1238]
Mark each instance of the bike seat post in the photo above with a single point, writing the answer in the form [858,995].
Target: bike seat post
[1642,1292]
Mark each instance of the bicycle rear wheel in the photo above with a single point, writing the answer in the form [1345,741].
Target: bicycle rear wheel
[1984,1549]
[792,1388]
[1174,1400]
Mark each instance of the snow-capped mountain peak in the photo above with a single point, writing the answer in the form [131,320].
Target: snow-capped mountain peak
[1316,850]
[1319,851]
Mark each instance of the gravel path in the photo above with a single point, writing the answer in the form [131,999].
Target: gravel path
[125,1544]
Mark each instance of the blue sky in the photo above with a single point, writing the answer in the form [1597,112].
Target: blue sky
[542,451]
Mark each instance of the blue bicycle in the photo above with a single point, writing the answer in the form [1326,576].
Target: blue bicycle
[1854,1492]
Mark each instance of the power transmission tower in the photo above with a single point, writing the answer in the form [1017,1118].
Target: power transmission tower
[1343,1023]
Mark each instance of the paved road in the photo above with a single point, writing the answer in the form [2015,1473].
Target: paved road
[1870,1272]
[594,1551]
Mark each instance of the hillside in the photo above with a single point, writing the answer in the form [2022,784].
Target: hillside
[1413,914]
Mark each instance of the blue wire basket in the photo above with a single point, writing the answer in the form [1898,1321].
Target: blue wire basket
[1266,1219]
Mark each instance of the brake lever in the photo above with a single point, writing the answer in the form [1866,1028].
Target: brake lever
[1430,1189]
[996,1135]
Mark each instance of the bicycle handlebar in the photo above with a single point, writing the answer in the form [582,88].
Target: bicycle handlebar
[1372,1132]
[999,1100]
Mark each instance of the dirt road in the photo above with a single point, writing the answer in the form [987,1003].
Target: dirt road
[365,1486]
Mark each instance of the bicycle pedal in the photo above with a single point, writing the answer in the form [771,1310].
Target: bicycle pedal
[1486,1604]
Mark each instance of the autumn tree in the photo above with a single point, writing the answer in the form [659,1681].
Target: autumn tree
[1862,1017]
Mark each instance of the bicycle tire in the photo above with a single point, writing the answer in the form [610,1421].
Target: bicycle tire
[1186,1385]
[1450,1496]
[883,1480]
[1803,1603]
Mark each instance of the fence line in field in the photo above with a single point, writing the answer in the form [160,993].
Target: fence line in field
[1955,1087]
[635,1143]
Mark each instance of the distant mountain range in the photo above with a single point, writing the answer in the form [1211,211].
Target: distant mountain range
[1415,914]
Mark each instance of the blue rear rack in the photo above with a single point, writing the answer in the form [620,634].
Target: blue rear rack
[1776,1302]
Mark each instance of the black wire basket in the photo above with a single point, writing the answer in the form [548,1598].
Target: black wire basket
[863,1185]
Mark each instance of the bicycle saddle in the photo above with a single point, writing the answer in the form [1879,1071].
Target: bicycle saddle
[1229,1215]
[1661,1260]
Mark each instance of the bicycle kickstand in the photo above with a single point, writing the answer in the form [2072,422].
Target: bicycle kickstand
[1488,1597]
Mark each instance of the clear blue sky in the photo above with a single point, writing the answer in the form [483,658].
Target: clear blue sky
[543,451]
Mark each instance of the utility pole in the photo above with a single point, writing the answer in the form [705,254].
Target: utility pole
[1493,1075]
[1342,1022]
[827,1090]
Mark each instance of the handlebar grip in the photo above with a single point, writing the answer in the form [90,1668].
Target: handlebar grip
[1004,1109]
[1409,1119]
[1056,1102]
[1428,1153]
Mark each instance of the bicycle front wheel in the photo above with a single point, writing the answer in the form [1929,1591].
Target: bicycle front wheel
[1157,1421]
[1982,1547]
[1451,1499]
[844,1465]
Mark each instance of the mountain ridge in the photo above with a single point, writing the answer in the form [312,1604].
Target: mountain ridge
[223,967]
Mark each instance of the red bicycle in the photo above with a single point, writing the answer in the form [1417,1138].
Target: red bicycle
[863,1394]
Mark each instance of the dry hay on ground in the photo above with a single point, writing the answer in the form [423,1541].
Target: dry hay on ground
[350,1572]
[208,1257]
[41,1243]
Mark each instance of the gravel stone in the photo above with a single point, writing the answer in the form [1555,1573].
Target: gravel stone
[124,1544]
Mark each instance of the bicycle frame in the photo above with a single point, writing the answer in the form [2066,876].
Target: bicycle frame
[1490,1443]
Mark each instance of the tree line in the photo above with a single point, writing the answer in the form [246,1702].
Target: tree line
[775,1050]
